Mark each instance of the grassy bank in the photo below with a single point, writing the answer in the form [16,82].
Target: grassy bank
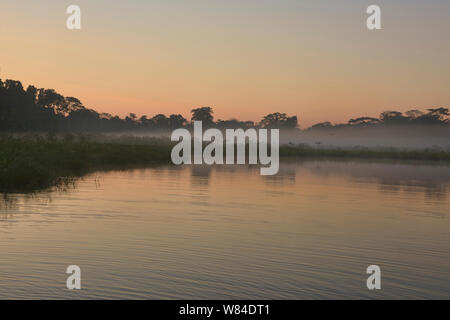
[365,153]
[35,163]
[28,164]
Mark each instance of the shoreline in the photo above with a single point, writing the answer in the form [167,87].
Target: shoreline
[29,164]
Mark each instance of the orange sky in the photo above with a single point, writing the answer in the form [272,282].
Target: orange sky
[315,59]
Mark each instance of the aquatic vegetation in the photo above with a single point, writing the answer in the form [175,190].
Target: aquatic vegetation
[31,163]
[28,164]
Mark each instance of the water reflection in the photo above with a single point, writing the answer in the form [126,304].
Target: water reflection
[391,177]
[7,204]
[200,175]
[12,202]
[431,179]
[227,232]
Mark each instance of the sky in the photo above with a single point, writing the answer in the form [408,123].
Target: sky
[314,58]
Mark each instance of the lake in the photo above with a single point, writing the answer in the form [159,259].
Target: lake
[225,232]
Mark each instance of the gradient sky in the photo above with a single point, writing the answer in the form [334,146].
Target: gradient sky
[312,58]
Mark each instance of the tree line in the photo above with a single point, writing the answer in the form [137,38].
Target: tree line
[432,116]
[34,109]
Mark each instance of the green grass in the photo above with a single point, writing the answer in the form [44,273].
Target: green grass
[34,163]
[28,164]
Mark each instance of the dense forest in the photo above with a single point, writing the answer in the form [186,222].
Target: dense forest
[34,109]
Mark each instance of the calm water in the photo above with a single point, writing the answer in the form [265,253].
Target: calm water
[221,232]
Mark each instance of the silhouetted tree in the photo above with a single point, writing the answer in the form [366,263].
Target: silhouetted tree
[413,114]
[176,121]
[160,122]
[291,122]
[279,120]
[322,125]
[36,109]
[203,114]
[393,117]
[50,99]
[433,116]
[363,121]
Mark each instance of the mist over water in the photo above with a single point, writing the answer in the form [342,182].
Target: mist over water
[409,137]
[226,232]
